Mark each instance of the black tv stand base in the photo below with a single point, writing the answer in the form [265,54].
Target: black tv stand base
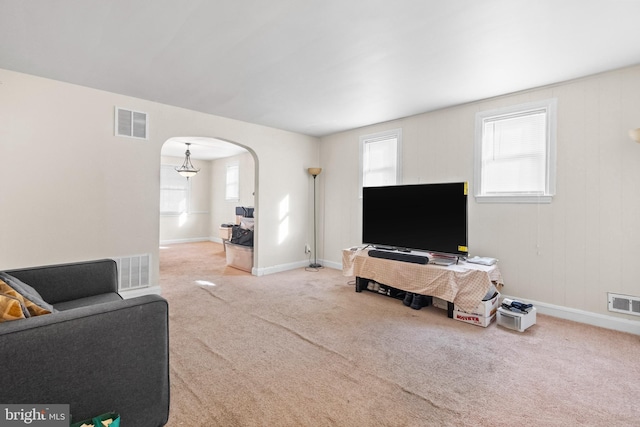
[362,285]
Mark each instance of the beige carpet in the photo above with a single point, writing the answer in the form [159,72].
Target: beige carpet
[301,348]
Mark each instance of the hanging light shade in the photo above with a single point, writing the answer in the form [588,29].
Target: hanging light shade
[187,169]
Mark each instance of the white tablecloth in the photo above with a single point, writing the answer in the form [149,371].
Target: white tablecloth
[464,284]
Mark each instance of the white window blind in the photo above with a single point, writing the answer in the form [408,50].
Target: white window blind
[515,153]
[380,159]
[174,191]
[232,191]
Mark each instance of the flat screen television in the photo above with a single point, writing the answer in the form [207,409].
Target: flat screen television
[423,217]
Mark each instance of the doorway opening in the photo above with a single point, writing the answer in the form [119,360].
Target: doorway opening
[195,209]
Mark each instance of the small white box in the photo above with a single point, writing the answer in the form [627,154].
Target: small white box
[439,303]
[486,308]
[474,319]
[516,321]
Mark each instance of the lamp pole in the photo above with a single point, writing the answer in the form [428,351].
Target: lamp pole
[315,172]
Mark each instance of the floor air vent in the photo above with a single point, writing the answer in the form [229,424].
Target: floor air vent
[624,304]
[133,271]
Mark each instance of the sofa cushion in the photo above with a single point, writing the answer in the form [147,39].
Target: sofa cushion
[92,300]
[38,305]
[11,308]
[33,308]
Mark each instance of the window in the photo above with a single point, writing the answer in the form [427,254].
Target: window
[174,191]
[232,191]
[380,159]
[515,153]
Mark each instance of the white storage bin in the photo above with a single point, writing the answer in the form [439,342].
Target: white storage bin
[239,256]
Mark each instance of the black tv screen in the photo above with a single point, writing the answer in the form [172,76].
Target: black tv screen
[424,217]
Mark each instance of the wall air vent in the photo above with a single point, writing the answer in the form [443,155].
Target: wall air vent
[624,304]
[132,124]
[133,271]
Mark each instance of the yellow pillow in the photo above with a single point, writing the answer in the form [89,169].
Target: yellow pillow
[11,308]
[34,310]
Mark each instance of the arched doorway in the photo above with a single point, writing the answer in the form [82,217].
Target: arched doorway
[195,211]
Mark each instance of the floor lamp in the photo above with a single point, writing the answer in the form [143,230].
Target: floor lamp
[314,172]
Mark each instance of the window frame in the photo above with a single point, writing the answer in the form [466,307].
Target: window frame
[549,106]
[235,197]
[376,137]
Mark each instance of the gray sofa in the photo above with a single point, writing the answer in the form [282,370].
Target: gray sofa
[99,353]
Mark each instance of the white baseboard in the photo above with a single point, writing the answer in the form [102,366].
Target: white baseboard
[191,240]
[261,271]
[581,316]
[292,266]
[331,264]
[132,293]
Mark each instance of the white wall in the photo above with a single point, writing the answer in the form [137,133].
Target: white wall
[70,190]
[569,253]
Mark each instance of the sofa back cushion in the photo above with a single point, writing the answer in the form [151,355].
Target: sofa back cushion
[66,282]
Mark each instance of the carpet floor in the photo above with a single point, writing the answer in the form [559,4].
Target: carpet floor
[301,348]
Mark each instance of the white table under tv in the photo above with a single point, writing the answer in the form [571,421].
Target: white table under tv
[463,284]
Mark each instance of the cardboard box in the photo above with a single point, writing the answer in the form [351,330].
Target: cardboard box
[486,308]
[474,319]
[498,286]
[516,321]
[225,233]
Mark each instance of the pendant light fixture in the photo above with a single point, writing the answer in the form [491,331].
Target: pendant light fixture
[187,169]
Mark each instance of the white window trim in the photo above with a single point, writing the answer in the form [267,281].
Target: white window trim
[393,133]
[550,105]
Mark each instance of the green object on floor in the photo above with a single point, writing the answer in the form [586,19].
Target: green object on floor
[97,421]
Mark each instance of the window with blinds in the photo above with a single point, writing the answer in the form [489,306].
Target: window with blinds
[232,188]
[515,153]
[174,191]
[380,156]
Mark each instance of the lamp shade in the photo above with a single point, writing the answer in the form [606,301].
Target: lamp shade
[187,173]
[635,134]
[187,169]
[315,171]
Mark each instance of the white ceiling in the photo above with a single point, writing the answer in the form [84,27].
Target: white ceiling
[201,148]
[317,66]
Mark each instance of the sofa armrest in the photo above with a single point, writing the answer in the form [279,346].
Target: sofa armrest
[107,357]
[66,282]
